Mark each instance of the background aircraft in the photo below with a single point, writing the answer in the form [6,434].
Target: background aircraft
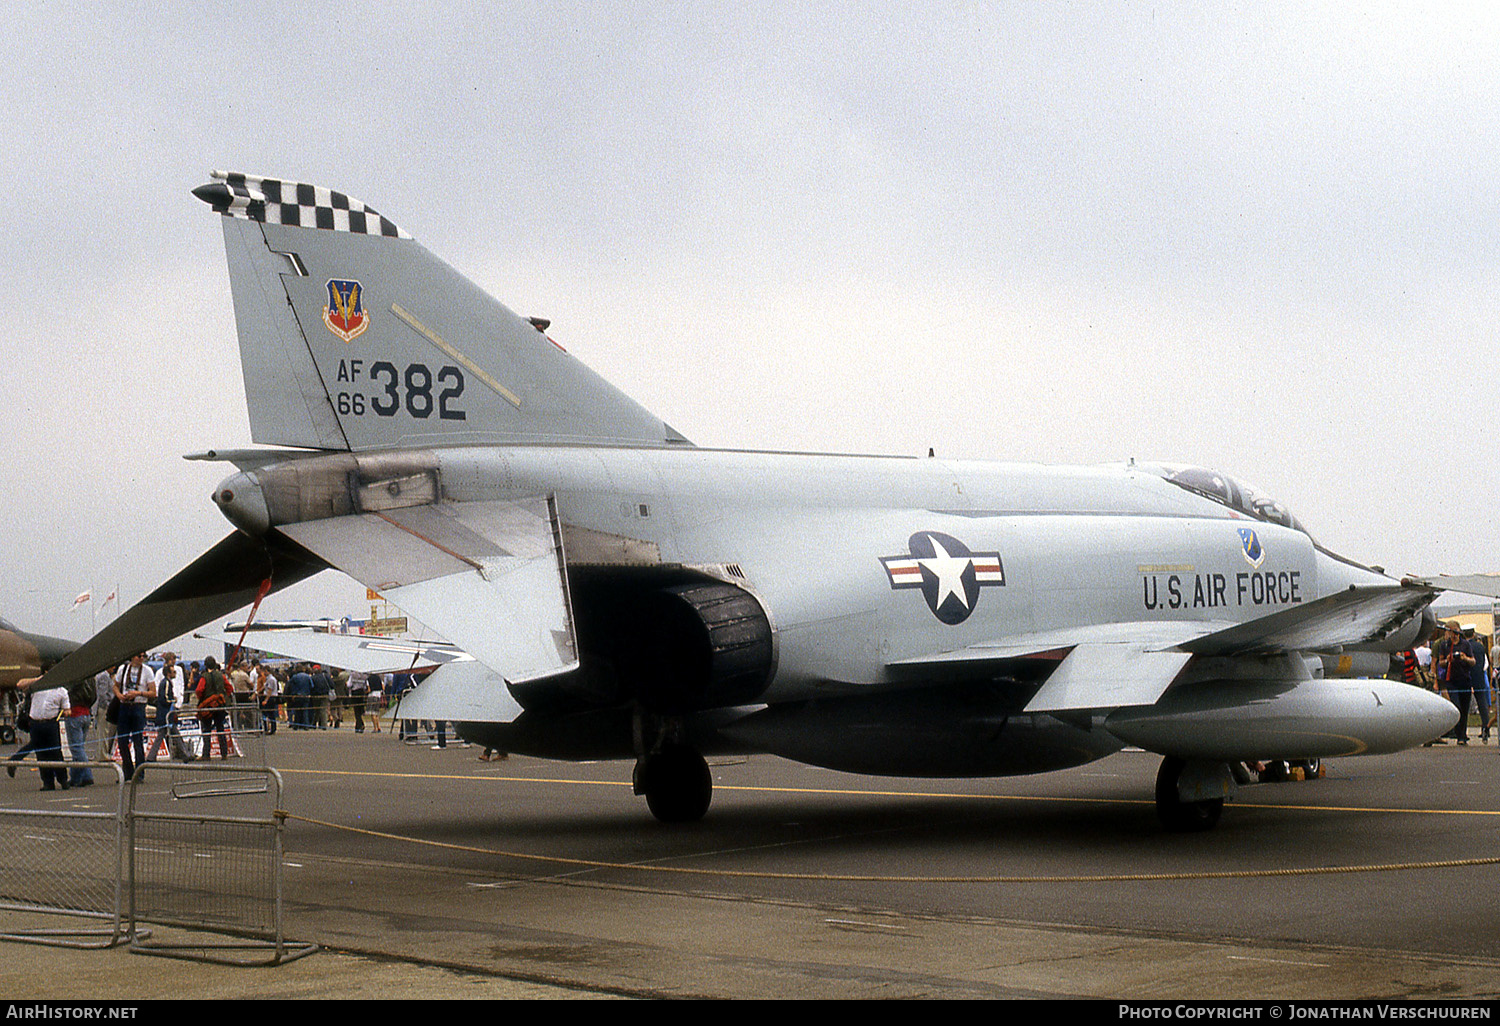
[25,655]
[625,594]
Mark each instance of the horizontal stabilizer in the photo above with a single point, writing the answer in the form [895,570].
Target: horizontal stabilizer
[365,653]
[489,576]
[1355,616]
[223,579]
[462,692]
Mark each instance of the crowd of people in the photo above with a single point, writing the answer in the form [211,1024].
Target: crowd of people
[1457,663]
[120,705]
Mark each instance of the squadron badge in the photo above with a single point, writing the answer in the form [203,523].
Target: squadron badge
[345,313]
[949,575]
[1250,545]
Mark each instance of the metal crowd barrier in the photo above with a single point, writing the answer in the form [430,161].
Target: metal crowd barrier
[219,872]
[66,862]
[138,858]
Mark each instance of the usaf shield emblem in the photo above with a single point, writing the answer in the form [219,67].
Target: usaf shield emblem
[1250,545]
[345,313]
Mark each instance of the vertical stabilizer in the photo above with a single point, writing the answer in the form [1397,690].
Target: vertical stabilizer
[353,336]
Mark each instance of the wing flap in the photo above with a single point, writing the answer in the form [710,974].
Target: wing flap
[488,576]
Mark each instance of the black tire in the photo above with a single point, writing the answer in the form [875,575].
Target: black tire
[677,785]
[1175,814]
[7,735]
[1275,772]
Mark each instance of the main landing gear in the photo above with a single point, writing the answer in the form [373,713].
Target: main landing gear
[676,782]
[1201,782]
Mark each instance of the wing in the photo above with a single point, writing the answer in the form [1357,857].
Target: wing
[1355,616]
[1133,664]
[1471,584]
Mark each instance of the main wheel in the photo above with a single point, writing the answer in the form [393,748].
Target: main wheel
[677,784]
[1175,814]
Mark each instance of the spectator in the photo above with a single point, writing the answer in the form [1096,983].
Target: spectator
[134,686]
[47,705]
[214,699]
[81,698]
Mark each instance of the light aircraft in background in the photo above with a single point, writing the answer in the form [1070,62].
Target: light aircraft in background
[627,594]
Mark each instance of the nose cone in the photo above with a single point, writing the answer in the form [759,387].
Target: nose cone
[240,498]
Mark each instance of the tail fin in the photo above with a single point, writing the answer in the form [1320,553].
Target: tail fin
[353,336]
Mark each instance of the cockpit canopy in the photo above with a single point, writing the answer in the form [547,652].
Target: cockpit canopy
[1237,495]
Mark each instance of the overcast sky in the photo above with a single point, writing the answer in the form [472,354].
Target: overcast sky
[1259,238]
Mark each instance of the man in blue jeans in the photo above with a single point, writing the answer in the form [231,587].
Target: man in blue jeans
[135,686]
[81,697]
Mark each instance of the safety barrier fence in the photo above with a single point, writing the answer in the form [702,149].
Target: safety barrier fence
[193,844]
[66,863]
[216,868]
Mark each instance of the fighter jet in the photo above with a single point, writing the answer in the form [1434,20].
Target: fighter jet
[627,594]
[24,655]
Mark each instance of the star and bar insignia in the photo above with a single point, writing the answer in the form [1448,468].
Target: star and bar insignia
[949,575]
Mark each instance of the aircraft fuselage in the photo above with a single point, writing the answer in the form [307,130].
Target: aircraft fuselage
[859,561]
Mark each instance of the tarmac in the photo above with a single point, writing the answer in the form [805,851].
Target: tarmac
[425,873]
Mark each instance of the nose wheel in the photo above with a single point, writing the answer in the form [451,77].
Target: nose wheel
[676,782]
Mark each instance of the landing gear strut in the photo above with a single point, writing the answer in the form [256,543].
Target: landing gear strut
[676,782]
[1176,814]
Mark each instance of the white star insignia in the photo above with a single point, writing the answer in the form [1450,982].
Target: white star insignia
[948,569]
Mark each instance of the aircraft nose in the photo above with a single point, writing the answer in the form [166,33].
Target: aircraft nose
[240,498]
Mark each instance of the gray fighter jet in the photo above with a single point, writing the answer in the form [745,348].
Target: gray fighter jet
[626,594]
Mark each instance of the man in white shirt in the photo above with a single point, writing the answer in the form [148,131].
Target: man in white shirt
[135,686]
[47,706]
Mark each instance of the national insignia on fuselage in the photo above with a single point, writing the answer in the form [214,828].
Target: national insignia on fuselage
[948,574]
